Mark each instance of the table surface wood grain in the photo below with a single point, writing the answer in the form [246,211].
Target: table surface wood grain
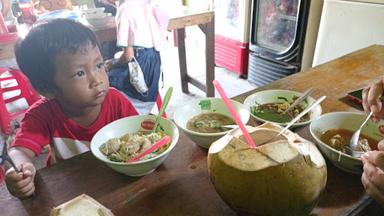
[181,185]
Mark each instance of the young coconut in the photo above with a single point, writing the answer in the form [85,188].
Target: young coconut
[285,176]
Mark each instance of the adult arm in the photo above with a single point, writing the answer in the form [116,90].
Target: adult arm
[124,58]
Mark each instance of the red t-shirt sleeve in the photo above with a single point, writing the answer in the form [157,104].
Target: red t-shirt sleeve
[33,133]
[125,106]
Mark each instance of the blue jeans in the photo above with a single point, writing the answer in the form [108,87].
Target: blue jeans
[150,63]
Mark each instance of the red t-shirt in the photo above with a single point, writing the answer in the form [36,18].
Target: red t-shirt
[45,123]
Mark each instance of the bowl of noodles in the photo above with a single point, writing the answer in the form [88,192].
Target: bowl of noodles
[123,139]
[333,131]
[204,120]
[269,106]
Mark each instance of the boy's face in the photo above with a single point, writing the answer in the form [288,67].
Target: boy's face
[81,79]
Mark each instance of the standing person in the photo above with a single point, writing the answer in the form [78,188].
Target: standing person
[373,161]
[139,34]
[62,60]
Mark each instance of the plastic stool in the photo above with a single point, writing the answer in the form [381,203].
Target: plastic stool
[14,87]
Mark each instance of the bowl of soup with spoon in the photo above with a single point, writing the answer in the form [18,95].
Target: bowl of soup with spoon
[269,106]
[207,119]
[333,131]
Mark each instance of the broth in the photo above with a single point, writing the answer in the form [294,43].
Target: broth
[340,138]
[209,123]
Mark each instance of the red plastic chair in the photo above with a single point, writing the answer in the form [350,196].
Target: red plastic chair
[14,86]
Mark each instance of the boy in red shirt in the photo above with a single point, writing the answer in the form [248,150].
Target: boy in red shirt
[63,62]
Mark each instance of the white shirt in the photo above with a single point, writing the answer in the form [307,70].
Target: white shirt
[138,26]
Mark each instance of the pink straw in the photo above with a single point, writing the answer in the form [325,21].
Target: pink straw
[165,140]
[234,114]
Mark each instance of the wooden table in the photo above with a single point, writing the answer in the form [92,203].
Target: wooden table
[181,185]
[104,34]
[206,22]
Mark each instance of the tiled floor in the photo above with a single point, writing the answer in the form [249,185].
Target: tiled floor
[231,82]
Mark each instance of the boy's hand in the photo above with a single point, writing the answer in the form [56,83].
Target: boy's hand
[21,184]
[373,175]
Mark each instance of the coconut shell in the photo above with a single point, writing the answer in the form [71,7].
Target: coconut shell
[282,177]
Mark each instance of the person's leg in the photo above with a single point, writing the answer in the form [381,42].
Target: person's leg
[149,61]
[152,69]
[118,78]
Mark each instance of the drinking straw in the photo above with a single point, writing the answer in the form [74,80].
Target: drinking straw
[234,114]
[163,141]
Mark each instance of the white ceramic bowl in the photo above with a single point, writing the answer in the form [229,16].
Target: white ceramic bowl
[344,120]
[133,124]
[271,96]
[185,112]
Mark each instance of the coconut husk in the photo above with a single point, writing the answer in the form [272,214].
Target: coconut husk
[282,177]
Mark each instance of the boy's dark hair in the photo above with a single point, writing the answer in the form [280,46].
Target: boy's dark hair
[36,53]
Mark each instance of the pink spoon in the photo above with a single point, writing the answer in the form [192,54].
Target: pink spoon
[234,114]
[163,141]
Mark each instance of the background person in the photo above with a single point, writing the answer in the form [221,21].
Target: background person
[140,35]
